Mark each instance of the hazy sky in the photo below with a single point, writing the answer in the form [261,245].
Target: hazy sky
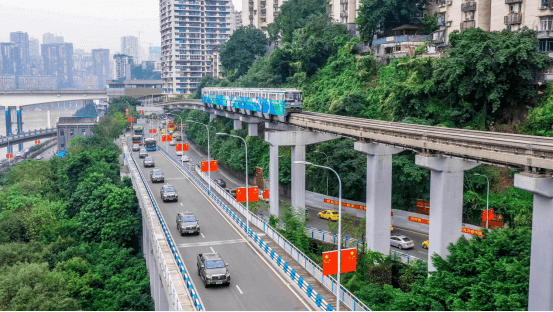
[88,24]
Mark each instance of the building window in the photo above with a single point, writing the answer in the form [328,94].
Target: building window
[546,44]
[547,23]
[61,132]
[72,132]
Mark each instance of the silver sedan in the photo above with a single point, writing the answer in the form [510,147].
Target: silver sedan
[401,242]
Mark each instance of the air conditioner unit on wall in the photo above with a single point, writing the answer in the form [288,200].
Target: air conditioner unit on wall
[449,2]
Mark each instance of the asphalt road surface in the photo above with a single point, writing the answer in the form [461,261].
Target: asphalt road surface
[255,285]
[231,182]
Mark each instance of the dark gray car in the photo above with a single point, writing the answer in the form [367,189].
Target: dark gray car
[156,175]
[212,269]
[187,223]
[168,192]
[221,182]
[149,162]
[143,153]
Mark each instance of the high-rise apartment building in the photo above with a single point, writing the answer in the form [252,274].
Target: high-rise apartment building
[34,47]
[11,59]
[58,62]
[123,66]
[58,39]
[190,30]
[48,38]
[100,66]
[260,13]
[22,39]
[130,47]
[155,54]
[343,11]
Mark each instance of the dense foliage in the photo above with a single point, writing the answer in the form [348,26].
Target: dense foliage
[244,46]
[292,15]
[70,230]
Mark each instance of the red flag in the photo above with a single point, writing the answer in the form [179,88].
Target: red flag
[330,262]
[185,147]
[163,138]
[265,194]
[204,166]
[241,194]
[9,155]
[179,147]
[253,194]
[348,263]
[153,131]
[485,214]
[131,119]
[213,166]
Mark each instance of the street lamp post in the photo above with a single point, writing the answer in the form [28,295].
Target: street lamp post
[208,154]
[305,163]
[327,171]
[487,198]
[247,188]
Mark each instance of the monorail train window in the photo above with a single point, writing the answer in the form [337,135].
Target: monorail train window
[289,96]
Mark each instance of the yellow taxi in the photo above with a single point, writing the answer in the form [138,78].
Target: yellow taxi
[331,215]
[163,131]
[425,244]
[175,135]
[391,227]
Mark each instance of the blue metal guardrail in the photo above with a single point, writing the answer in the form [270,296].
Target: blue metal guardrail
[169,238]
[30,133]
[283,265]
[406,38]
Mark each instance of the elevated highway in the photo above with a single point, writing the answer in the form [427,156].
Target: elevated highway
[20,98]
[31,135]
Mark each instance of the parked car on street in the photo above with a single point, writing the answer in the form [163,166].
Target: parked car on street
[187,223]
[220,182]
[156,175]
[168,192]
[331,215]
[401,242]
[143,153]
[149,162]
[212,269]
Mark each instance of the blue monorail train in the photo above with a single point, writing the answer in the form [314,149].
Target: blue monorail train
[264,103]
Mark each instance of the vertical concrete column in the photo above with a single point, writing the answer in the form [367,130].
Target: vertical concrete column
[19,125]
[446,201]
[211,116]
[237,124]
[253,129]
[540,297]
[273,181]
[379,194]
[8,121]
[298,179]
[48,117]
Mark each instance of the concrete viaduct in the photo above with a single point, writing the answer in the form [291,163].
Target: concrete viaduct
[446,152]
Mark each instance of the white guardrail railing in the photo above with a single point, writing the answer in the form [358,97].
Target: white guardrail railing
[193,295]
[315,270]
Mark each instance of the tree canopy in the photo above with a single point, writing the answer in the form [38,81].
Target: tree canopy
[240,51]
[293,15]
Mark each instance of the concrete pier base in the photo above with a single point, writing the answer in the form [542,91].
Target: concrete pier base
[379,193]
[273,181]
[446,201]
[540,297]
[237,125]
[298,180]
[253,129]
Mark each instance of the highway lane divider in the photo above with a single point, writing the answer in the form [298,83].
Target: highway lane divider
[191,291]
[328,282]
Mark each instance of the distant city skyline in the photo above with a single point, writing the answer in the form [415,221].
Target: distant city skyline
[87,24]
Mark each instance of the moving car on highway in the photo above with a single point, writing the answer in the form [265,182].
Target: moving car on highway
[180,153]
[187,223]
[135,147]
[149,162]
[401,242]
[185,158]
[331,215]
[143,153]
[156,175]
[220,182]
[212,269]
[425,244]
[168,192]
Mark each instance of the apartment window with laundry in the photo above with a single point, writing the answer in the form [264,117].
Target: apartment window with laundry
[547,23]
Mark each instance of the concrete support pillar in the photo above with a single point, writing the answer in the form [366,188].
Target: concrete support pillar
[540,297]
[253,130]
[237,124]
[19,125]
[298,179]
[379,193]
[273,181]
[446,201]
[48,117]
[211,116]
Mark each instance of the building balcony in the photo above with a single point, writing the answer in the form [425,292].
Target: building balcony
[513,1]
[468,24]
[545,34]
[513,18]
[546,4]
[469,6]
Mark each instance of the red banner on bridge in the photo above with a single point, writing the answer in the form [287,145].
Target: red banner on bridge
[37,141]
[348,261]
[419,220]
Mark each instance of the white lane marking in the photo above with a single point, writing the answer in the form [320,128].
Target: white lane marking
[240,290]
[235,227]
[173,178]
[181,204]
[213,243]
[202,234]
[424,253]
[212,249]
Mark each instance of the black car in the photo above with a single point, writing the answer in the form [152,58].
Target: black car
[156,175]
[220,182]
[168,192]
[187,223]
[149,162]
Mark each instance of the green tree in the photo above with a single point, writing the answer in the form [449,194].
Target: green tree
[293,15]
[240,51]
[429,23]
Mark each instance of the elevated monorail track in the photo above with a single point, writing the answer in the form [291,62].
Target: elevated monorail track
[513,150]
